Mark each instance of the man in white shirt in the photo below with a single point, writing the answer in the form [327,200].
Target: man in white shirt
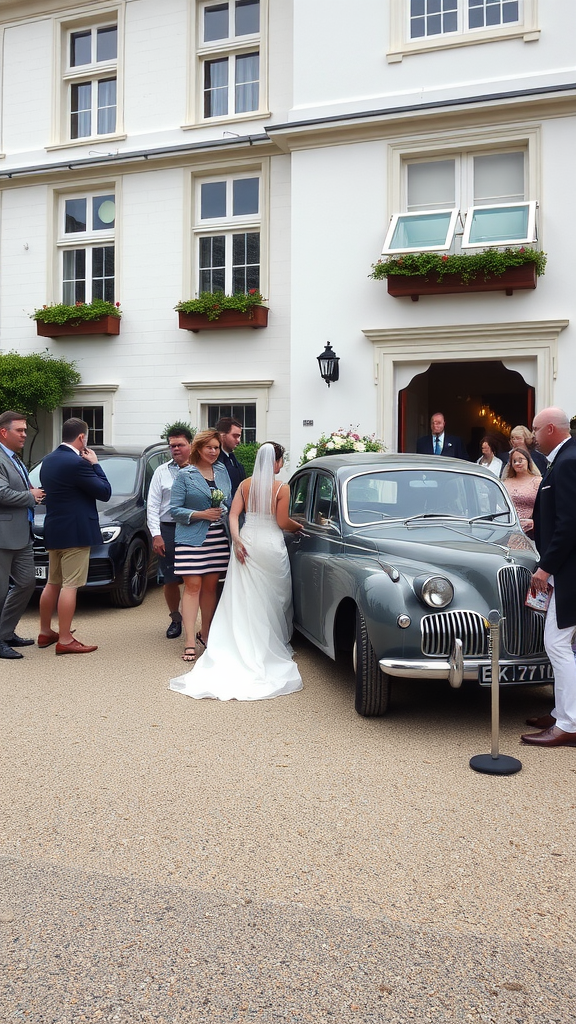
[162,526]
[555,538]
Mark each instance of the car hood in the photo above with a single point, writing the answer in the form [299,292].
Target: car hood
[457,548]
[120,507]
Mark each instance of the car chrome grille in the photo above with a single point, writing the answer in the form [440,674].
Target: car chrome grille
[522,631]
[439,632]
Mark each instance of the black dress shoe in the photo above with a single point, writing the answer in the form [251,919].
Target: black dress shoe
[7,652]
[17,641]
[174,630]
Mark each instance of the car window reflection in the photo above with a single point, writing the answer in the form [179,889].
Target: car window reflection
[121,472]
[374,497]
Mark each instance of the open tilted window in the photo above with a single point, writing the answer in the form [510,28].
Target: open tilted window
[424,231]
[500,224]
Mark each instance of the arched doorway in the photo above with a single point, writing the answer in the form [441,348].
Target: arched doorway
[476,397]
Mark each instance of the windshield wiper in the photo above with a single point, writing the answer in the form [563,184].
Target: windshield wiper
[435,515]
[488,517]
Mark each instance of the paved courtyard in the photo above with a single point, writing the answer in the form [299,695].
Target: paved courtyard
[169,860]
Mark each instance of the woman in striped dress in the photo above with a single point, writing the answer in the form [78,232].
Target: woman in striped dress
[198,506]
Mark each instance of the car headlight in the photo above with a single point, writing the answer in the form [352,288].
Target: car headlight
[110,533]
[436,591]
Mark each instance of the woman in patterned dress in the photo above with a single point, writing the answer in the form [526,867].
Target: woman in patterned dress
[202,547]
[521,478]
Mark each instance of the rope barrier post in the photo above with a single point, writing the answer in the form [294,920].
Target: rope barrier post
[495,763]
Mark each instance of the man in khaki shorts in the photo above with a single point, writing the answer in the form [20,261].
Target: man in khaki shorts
[73,480]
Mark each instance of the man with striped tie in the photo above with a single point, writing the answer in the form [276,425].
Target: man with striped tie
[17,501]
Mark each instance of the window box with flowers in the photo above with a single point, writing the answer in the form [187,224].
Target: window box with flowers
[428,273]
[340,442]
[62,321]
[213,311]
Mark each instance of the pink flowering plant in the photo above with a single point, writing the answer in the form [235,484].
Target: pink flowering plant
[214,303]
[60,313]
[488,263]
[340,442]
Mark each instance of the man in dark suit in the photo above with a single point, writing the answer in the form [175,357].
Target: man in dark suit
[17,500]
[438,442]
[230,431]
[555,536]
[73,480]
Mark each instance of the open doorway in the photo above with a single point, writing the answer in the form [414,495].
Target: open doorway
[476,397]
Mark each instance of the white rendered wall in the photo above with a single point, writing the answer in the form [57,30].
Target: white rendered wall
[339,219]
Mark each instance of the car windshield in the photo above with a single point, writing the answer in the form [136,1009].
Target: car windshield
[121,471]
[404,493]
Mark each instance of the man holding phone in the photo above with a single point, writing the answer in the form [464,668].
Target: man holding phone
[73,481]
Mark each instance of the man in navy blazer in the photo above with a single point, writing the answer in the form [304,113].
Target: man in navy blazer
[555,536]
[73,481]
[230,431]
[438,442]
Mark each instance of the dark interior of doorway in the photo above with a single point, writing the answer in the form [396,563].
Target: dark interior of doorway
[477,398]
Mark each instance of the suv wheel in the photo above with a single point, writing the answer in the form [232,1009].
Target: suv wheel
[133,579]
[372,685]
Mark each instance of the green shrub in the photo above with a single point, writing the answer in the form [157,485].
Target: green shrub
[246,454]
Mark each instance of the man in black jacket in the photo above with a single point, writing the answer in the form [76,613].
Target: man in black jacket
[230,431]
[555,536]
[438,442]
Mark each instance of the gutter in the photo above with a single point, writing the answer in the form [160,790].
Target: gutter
[141,154]
[417,107]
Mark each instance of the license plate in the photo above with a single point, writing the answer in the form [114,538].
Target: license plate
[517,674]
[41,572]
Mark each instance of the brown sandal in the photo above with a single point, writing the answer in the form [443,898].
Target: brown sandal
[189,657]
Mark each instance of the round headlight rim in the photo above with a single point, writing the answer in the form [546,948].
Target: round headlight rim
[425,594]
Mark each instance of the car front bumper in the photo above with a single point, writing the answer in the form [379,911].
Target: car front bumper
[457,668]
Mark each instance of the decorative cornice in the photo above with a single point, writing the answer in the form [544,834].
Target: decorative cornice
[81,388]
[211,385]
[368,125]
[449,336]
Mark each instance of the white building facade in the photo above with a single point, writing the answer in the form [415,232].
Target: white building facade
[150,149]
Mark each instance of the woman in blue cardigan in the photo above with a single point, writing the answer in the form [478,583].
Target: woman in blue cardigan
[197,505]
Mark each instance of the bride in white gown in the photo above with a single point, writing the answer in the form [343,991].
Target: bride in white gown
[248,656]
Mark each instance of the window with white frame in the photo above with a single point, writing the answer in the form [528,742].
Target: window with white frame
[86,246]
[93,403]
[229,58]
[439,17]
[433,24]
[227,233]
[93,415]
[244,413]
[480,195]
[90,80]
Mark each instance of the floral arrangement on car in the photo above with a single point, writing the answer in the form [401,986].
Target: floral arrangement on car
[217,498]
[60,313]
[340,442]
[214,303]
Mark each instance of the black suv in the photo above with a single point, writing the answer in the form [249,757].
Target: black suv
[124,562]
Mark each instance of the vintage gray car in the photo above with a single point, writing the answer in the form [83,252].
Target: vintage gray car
[400,561]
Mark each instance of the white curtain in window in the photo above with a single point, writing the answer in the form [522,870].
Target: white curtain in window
[247,82]
[431,185]
[499,178]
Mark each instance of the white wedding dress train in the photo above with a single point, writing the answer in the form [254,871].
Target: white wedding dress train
[249,655]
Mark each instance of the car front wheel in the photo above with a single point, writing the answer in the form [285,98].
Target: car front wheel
[133,579]
[372,685]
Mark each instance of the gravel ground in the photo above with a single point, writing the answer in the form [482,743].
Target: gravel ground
[172,860]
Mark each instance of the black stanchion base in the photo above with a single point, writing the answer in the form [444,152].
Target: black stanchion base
[500,765]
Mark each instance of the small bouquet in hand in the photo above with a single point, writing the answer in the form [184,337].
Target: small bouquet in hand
[217,498]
